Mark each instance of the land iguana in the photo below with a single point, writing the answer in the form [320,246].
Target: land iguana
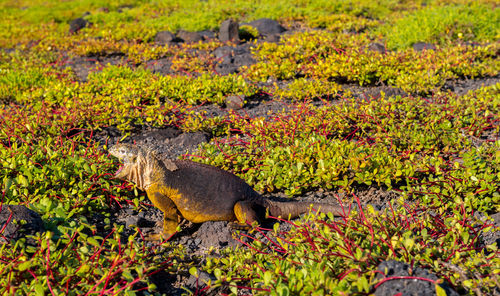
[200,192]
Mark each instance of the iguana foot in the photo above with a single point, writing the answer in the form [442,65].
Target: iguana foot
[251,228]
[239,226]
[153,237]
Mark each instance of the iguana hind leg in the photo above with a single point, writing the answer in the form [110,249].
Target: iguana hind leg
[171,217]
[249,212]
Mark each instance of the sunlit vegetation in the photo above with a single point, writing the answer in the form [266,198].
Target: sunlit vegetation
[439,150]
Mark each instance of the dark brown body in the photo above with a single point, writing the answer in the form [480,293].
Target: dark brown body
[212,192]
[216,195]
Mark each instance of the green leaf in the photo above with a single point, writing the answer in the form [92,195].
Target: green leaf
[359,254]
[93,242]
[39,290]
[409,243]
[193,271]
[282,290]
[440,291]
[22,180]
[234,289]
[84,249]
[267,277]
[24,265]
[217,273]
[127,275]
[364,284]
[7,182]
[424,233]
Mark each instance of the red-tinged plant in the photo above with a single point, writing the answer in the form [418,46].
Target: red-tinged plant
[327,256]
[77,261]
[393,141]
[68,182]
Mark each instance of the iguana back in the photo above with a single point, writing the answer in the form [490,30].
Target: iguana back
[210,189]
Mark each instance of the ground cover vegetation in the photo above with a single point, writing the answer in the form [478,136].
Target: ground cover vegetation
[435,147]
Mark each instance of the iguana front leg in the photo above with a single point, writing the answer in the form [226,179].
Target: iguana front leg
[171,217]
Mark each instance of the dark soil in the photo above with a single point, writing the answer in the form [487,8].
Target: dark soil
[418,283]
[17,221]
[171,142]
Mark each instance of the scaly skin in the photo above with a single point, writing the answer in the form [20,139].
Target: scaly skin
[199,192]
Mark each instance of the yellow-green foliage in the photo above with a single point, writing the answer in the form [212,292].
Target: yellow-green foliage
[320,256]
[394,141]
[444,24]
[346,58]
[300,89]
[21,73]
[343,22]
[121,96]
[141,20]
[290,57]
[438,149]
[248,32]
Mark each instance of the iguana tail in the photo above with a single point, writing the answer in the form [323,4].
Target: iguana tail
[293,209]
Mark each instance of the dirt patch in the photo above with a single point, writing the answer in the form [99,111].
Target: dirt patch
[17,221]
[463,86]
[83,66]
[420,283]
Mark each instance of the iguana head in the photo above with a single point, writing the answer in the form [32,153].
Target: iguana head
[140,166]
[126,153]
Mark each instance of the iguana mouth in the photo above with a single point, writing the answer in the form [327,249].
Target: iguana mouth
[119,169]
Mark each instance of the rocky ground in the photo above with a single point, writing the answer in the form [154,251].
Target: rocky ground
[171,142]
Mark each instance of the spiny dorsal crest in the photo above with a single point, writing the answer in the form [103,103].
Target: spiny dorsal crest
[169,164]
[142,166]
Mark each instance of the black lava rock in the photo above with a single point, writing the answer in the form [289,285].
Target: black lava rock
[207,34]
[189,37]
[77,24]
[229,30]
[419,46]
[17,221]
[267,26]
[162,66]
[231,58]
[416,287]
[378,47]
[164,37]
[235,102]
